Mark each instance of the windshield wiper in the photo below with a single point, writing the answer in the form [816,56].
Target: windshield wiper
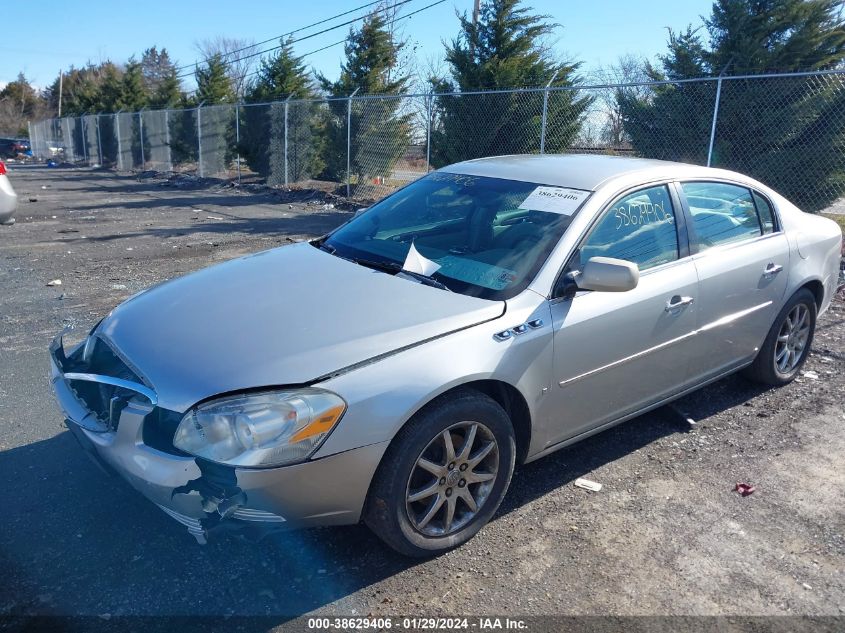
[395,268]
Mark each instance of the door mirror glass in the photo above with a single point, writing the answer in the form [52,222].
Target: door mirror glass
[607,274]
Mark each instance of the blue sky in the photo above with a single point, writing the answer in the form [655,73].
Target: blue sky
[53,34]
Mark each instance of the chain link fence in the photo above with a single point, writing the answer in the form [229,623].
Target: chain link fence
[787,130]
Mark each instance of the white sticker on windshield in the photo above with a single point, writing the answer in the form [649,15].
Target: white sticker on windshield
[554,200]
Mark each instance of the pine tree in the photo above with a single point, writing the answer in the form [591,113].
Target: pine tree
[133,94]
[161,79]
[783,131]
[111,88]
[168,93]
[18,102]
[80,91]
[504,50]
[213,85]
[217,128]
[379,132]
[280,76]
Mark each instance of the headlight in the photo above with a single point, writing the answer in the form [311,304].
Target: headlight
[260,429]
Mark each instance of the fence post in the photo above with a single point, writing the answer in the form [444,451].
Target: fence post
[167,140]
[287,101]
[428,132]
[349,138]
[715,117]
[84,138]
[238,139]
[68,140]
[100,160]
[545,113]
[199,138]
[141,135]
[116,116]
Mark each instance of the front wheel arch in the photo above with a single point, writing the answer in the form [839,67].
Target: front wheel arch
[381,512]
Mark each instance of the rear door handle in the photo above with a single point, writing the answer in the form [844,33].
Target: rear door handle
[772,270]
[677,302]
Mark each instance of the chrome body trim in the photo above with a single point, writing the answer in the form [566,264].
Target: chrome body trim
[145,391]
[730,318]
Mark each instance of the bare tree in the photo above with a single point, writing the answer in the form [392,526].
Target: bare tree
[239,55]
[618,78]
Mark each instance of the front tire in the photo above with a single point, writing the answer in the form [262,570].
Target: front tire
[443,476]
[788,343]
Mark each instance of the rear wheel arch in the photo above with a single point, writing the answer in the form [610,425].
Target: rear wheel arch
[817,288]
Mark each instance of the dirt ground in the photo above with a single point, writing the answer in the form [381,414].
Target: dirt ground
[665,536]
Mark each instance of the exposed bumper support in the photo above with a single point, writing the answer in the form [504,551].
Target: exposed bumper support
[206,497]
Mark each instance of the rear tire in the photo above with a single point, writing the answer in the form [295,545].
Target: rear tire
[427,498]
[788,342]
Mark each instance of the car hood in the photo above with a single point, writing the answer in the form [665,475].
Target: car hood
[281,317]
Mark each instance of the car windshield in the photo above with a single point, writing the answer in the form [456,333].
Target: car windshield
[487,236]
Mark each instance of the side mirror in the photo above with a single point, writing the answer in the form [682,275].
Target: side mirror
[608,274]
[360,211]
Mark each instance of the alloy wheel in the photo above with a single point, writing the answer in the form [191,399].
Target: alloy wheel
[792,339]
[452,479]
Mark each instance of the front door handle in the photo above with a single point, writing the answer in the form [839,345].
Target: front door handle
[677,302]
[772,270]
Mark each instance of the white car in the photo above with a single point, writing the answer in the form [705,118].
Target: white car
[8,197]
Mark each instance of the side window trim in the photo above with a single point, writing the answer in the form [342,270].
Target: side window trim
[681,227]
[681,223]
[775,218]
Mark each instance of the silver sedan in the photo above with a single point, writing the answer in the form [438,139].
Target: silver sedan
[396,370]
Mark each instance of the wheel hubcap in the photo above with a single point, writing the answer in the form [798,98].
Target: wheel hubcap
[452,479]
[792,339]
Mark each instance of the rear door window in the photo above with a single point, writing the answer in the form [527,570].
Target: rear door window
[721,213]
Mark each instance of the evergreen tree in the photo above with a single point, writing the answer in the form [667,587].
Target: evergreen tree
[161,79]
[786,132]
[379,132]
[109,100]
[168,93]
[110,95]
[133,94]
[504,50]
[19,102]
[80,91]
[280,76]
[217,124]
[213,84]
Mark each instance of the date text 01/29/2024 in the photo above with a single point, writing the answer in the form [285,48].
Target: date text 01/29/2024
[416,623]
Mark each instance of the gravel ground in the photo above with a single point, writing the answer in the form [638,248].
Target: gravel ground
[665,536]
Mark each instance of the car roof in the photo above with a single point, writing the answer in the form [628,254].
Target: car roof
[577,171]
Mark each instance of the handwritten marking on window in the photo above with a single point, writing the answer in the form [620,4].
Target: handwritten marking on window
[635,213]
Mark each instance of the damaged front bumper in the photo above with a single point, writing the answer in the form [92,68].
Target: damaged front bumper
[204,496]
